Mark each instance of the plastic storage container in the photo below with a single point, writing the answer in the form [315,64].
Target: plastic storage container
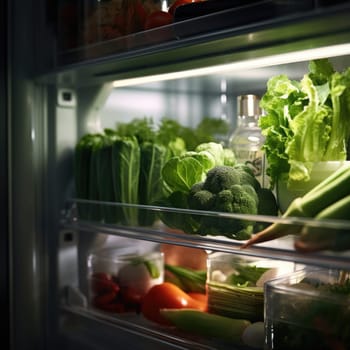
[235,285]
[308,309]
[119,278]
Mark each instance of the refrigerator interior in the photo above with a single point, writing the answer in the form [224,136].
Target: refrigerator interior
[69,100]
[186,100]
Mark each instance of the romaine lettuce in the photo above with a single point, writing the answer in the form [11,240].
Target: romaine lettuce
[306,121]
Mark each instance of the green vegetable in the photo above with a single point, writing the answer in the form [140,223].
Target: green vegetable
[329,191]
[181,172]
[150,265]
[318,238]
[246,275]
[125,165]
[229,157]
[95,210]
[225,189]
[191,280]
[215,149]
[236,301]
[206,324]
[230,189]
[177,220]
[126,170]
[306,121]
[151,188]
[208,130]
[267,205]
[85,182]
[238,296]
[267,202]
[105,177]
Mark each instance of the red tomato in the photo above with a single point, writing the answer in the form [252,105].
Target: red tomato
[135,18]
[104,299]
[102,283]
[178,3]
[158,19]
[130,295]
[166,296]
[201,297]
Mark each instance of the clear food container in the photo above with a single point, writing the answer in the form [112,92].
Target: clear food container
[308,309]
[118,278]
[235,285]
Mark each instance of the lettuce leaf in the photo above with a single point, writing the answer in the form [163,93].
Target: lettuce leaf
[306,121]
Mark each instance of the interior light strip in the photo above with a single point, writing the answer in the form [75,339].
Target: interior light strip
[290,57]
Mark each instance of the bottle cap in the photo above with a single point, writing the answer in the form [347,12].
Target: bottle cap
[248,106]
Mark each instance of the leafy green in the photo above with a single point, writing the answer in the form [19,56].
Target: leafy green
[306,121]
[181,172]
[105,177]
[246,275]
[125,165]
[153,157]
[85,176]
[126,169]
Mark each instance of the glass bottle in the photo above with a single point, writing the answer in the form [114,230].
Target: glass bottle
[247,140]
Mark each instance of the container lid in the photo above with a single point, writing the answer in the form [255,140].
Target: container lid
[248,106]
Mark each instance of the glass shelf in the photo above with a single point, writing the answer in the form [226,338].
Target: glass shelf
[214,38]
[137,325]
[279,249]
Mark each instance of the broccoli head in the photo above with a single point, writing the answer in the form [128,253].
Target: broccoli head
[222,177]
[239,199]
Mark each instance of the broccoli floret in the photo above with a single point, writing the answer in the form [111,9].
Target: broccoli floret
[201,200]
[224,201]
[243,200]
[196,187]
[198,198]
[221,178]
[247,177]
[250,189]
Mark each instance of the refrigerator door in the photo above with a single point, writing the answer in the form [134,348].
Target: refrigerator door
[23,140]
[4,184]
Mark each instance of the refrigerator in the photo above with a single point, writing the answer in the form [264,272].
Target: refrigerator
[59,83]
